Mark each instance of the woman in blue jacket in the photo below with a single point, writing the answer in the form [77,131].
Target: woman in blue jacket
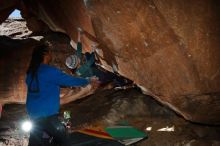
[43,101]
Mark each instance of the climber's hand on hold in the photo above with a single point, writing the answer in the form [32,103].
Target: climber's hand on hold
[80,33]
[80,30]
[94,46]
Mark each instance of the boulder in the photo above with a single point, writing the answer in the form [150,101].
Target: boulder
[168,48]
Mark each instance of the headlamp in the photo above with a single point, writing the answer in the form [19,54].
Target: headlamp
[26,126]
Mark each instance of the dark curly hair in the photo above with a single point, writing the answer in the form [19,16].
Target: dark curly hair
[37,58]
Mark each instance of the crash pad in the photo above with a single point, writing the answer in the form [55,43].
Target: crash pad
[97,132]
[80,139]
[126,134]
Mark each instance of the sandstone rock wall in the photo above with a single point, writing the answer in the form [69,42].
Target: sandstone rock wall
[169,48]
[14,60]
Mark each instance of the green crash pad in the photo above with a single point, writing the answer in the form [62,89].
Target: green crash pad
[125,132]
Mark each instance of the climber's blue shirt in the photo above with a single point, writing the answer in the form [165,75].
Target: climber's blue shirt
[43,96]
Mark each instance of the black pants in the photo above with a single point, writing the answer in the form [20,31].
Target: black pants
[53,127]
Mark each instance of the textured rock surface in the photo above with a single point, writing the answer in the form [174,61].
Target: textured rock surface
[15,53]
[169,48]
[14,28]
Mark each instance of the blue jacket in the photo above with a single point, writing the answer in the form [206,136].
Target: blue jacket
[43,96]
